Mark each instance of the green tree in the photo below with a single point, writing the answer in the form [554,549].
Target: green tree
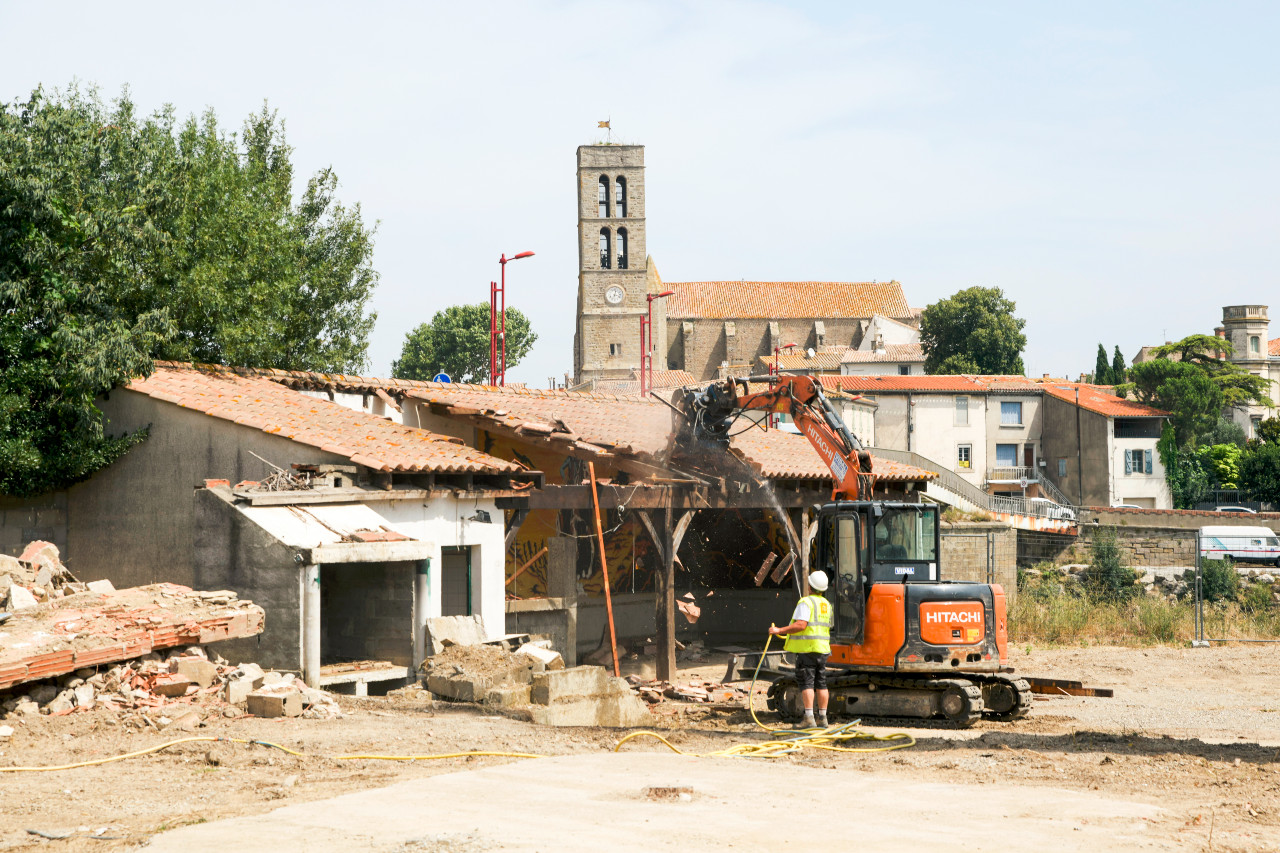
[1108,577]
[1222,462]
[1184,390]
[1260,472]
[125,239]
[1119,369]
[456,341]
[1226,431]
[1269,431]
[1101,370]
[974,331]
[1188,481]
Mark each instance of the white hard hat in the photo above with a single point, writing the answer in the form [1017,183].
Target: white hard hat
[818,581]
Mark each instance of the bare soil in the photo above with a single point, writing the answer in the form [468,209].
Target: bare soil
[1194,731]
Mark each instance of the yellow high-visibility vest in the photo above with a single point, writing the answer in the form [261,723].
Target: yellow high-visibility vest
[816,638]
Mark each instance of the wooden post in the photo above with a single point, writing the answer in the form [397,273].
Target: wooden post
[666,604]
[604,567]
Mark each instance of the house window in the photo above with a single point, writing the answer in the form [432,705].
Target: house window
[615,349]
[620,197]
[964,456]
[1062,467]
[1255,345]
[622,248]
[1255,424]
[904,370]
[1137,461]
[605,260]
[1011,414]
[962,411]
[604,196]
[1006,456]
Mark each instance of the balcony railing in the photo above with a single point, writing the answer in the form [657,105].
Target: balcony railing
[1012,475]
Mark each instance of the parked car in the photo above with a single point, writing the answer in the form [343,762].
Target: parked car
[1050,509]
[1245,544]
[1236,509]
[1128,506]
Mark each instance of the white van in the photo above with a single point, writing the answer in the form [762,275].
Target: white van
[1256,544]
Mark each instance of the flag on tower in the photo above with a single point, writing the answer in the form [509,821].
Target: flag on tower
[602,124]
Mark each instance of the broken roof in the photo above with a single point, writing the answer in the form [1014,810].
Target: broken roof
[826,359]
[1100,400]
[247,398]
[660,381]
[780,455]
[776,300]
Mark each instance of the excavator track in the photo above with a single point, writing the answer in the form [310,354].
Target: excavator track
[960,705]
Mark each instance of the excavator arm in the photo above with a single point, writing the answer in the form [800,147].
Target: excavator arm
[713,409]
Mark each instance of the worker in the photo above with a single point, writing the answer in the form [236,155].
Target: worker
[809,638]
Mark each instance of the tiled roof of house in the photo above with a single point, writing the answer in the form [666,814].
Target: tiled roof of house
[776,300]
[246,398]
[1101,400]
[828,359]
[1273,348]
[661,380]
[781,455]
[892,353]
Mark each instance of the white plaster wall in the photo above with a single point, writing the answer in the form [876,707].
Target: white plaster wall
[893,331]
[1028,433]
[879,368]
[443,522]
[938,437]
[1125,487]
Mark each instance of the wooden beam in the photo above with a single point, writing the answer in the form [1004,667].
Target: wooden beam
[643,496]
[681,527]
[653,534]
[665,609]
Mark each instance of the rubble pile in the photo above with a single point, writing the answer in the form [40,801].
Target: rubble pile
[39,576]
[703,692]
[182,690]
[469,673]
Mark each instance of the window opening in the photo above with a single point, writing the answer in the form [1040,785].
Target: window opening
[1255,345]
[622,248]
[1006,456]
[605,260]
[615,349]
[604,196]
[1011,414]
[620,197]
[962,411]
[905,534]
[904,370]
[964,456]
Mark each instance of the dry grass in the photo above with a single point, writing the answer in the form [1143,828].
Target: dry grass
[1045,617]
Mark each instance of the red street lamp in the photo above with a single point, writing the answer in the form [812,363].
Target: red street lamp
[498,323]
[774,370]
[646,342]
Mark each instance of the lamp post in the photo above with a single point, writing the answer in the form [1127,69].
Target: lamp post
[646,342]
[774,370]
[498,323]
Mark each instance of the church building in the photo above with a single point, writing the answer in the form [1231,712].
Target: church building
[708,328]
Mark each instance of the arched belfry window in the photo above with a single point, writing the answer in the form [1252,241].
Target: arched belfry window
[622,248]
[604,196]
[620,197]
[604,249]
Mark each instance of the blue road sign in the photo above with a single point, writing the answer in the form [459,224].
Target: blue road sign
[441,377]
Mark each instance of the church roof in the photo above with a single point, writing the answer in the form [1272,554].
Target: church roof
[777,300]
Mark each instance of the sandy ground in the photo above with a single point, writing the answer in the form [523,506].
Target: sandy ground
[1185,757]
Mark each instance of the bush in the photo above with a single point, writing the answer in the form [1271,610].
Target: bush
[1256,598]
[1219,580]
[1107,577]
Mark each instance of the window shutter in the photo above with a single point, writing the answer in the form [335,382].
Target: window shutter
[1128,461]
[1147,453]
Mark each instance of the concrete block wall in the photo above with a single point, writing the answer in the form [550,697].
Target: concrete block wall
[367,612]
[964,554]
[25,520]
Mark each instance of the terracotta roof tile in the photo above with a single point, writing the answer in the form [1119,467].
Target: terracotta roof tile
[1100,399]
[828,359]
[783,455]
[776,300]
[892,352]
[247,398]
[1273,348]
[661,380]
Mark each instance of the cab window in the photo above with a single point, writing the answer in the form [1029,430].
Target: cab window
[905,534]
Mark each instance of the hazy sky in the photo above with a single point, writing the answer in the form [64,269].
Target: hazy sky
[1112,167]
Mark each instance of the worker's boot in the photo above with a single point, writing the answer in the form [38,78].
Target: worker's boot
[808,722]
[822,718]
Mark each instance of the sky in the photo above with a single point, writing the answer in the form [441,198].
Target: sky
[1111,167]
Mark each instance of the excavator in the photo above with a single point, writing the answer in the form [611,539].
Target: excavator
[905,644]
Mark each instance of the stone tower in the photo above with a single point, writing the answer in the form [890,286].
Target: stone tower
[612,262]
[1245,326]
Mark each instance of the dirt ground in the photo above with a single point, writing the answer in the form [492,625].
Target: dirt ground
[1193,731]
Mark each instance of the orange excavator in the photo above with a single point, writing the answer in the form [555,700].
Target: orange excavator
[905,643]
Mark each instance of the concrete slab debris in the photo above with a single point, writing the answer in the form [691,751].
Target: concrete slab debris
[445,631]
[276,704]
[550,660]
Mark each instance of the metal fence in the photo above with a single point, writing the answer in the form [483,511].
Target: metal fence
[1203,548]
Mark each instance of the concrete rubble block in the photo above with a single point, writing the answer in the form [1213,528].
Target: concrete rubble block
[21,598]
[6,732]
[103,585]
[237,692]
[26,708]
[275,704]
[550,660]
[461,687]
[84,695]
[12,568]
[172,685]
[566,684]
[445,631]
[64,701]
[39,551]
[614,711]
[509,696]
[250,672]
[199,670]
